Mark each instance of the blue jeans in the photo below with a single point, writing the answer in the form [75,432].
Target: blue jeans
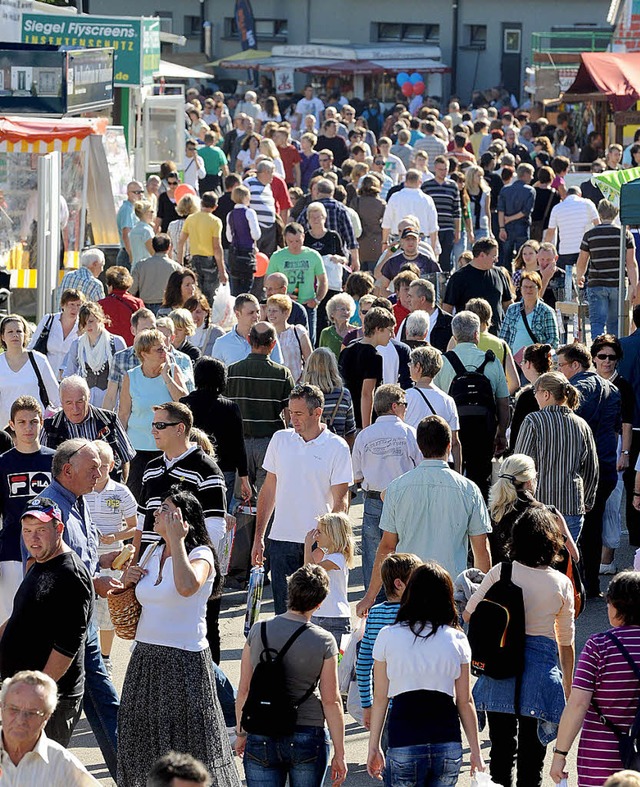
[122,258]
[603,310]
[428,765]
[459,247]
[226,696]
[370,539]
[517,234]
[230,481]
[312,316]
[574,523]
[335,626]
[100,700]
[303,757]
[446,255]
[285,557]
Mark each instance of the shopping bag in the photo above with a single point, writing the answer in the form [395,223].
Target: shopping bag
[222,313]
[254,598]
[354,706]
[225,545]
[482,779]
[347,666]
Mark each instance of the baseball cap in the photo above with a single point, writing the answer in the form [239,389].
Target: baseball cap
[43,509]
[409,232]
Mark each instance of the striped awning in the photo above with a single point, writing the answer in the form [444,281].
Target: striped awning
[41,146]
[44,135]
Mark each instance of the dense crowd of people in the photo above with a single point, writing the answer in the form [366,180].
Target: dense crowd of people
[341,305]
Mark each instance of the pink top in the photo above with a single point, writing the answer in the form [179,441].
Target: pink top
[603,670]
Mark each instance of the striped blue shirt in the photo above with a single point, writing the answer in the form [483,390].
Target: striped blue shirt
[379,616]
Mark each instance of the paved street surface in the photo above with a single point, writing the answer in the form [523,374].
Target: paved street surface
[84,745]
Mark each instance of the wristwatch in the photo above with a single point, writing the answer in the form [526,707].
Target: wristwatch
[561,753]
[625,453]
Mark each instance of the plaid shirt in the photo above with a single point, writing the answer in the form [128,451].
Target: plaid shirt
[82,279]
[542,322]
[337,219]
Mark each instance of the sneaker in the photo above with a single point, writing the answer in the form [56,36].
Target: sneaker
[608,568]
[108,665]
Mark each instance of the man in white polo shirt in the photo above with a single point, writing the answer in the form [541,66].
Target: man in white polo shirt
[308,474]
[570,218]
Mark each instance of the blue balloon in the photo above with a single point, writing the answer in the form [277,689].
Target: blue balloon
[402,78]
[415,78]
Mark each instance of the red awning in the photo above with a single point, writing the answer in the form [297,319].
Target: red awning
[19,129]
[615,76]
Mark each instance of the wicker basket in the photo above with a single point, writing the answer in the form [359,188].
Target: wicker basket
[125,610]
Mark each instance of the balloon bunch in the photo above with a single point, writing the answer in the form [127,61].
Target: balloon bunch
[410,85]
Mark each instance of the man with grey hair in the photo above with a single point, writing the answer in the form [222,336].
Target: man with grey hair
[249,105]
[278,284]
[600,250]
[382,451]
[422,297]
[264,204]
[570,219]
[75,470]
[483,404]
[126,220]
[50,616]
[85,278]
[28,700]
[417,329]
[338,219]
[78,418]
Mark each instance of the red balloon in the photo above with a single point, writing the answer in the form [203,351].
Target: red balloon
[407,89]
[418,88]
[182,190]
[262,263]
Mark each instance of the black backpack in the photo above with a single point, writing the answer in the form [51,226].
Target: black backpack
[269,708]
[473,395]
[497,631]
[628,742]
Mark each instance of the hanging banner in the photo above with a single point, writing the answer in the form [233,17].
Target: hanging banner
[245,22]
[284,80]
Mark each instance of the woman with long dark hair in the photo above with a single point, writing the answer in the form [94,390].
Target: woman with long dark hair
[422,662]
[181,286]
[524,712]
[169,697]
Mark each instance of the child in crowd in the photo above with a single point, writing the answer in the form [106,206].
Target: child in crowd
[114,510]
[335,550]
[243,230]
[395,570]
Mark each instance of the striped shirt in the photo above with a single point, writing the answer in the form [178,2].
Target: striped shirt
[262,201]
[195,472]
[379,616]
[261,390]
[602,244]
[603,671]
[343,423]
[432,145]
[562,446]
[447,201]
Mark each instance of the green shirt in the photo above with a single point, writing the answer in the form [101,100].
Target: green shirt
[433,510]
[214,159]
[301,270]
[472,358]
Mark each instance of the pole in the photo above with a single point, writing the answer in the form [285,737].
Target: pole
[49,169]
[621,278]
[454,49]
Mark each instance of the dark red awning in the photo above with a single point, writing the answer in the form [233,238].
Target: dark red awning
[615,76]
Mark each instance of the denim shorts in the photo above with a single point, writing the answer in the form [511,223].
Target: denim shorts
[431,764]
[303,757]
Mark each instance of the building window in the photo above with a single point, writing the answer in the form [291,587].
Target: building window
[166,21]
[512,41]
[265,29]
[476,36]
[192,26]
[411,33]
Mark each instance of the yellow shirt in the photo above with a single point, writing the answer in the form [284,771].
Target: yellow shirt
[488,341]
[202,228]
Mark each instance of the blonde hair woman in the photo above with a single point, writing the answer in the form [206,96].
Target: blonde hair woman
[184,327]
[189,204]
[480,202]
[268,148]
[321,369]
[294,339]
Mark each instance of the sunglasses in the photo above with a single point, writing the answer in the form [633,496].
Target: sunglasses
[162,425]
[137,191]
[606,357]
[173,182]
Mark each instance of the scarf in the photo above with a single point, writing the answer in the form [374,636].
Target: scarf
[94,357]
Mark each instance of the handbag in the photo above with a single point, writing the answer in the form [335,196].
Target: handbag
[124,607]
[43,340]
[42,388]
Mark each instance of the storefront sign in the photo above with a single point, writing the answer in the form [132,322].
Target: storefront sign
[135,41]
[89,80]
[284,80]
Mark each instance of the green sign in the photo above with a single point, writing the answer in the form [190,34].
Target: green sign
[135,41]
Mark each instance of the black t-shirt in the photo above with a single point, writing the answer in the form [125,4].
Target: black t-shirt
[360,362]
[6,443]
[22,477]
[51,611]
[627,398]
[166,211]
[471,282]
[329,243]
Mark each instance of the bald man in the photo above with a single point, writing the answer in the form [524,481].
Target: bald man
[277,284]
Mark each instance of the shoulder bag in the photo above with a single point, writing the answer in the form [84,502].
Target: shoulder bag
[42,388]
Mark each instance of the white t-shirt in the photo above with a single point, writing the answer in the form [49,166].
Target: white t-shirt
[442,403]
[109,510]
[167,618]
[415,663]
[305,473]
[311,106]
[572,218]
[383,451]
[390,363]
[25,383]
[336,604]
